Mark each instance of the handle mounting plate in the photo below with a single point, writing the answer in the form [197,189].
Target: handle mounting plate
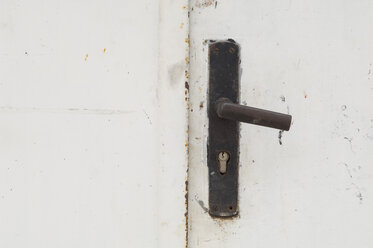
[223,135]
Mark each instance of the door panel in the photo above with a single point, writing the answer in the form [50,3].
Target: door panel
[311,186]
[87,159]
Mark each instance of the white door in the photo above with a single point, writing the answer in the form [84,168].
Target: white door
[311,186]
[93,123]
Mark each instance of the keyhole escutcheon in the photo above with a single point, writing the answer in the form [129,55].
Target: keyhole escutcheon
[223,158]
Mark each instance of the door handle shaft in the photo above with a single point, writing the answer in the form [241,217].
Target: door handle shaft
[227,110]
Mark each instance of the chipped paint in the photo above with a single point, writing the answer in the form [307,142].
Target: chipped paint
[186,94]
[187,41]
[186,210]
[280,136]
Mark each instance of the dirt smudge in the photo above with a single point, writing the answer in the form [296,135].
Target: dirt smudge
[206,3]
[175,72]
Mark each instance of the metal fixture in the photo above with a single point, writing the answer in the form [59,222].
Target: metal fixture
[224,115]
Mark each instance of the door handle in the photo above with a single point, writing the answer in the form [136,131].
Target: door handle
[227,110]
[224,114]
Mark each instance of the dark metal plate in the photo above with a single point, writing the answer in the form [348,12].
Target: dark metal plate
[223,134]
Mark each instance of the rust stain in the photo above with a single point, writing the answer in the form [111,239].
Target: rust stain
[187,41]
[86,57]
[232,50]
[187,60]
[186,74]
[181,25]
[187,99]
[186,85]
[104,50]
[201,105]
[305,94]
[185,7]
[205,3]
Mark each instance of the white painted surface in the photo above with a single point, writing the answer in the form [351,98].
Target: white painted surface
[87,99]
[314,60]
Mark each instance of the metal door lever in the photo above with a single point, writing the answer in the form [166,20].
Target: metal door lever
[227,110]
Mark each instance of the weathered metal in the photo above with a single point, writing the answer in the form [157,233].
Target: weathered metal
[223,134]
[224,113]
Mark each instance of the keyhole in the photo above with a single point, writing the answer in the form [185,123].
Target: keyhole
[223,159]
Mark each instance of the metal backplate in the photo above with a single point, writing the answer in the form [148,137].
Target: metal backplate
[223,134]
